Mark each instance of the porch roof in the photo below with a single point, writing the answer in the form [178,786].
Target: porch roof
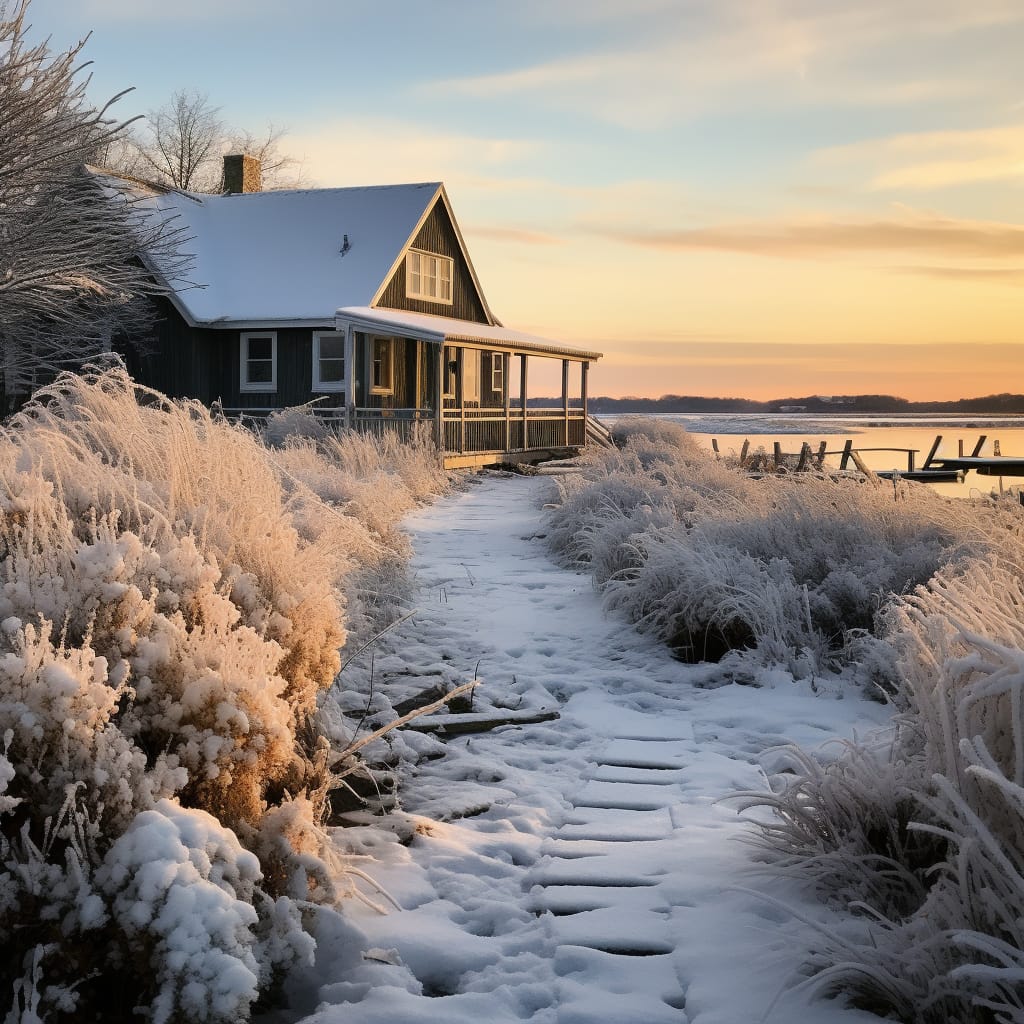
[441,329]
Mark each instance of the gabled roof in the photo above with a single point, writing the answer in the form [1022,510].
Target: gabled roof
[276,257]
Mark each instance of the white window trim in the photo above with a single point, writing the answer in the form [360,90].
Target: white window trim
[421,295]
[262,387]
[497,372]
[330,386]
[389,387]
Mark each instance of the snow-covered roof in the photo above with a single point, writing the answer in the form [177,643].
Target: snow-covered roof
[440,329]
[276,257]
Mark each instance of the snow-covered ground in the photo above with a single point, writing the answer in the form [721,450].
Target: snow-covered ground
[580,870]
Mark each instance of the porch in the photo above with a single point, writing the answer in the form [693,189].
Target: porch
[466,385]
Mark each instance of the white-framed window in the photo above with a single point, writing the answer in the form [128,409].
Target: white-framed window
[328,361]
[428,276]
[497,372]
[382,366]
[471,376]
[258,361]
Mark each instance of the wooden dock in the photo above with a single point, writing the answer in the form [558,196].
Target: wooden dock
[935,468]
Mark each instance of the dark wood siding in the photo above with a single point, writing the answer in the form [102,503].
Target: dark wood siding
[294,371]
[191,362]
[176,359]
[438,236]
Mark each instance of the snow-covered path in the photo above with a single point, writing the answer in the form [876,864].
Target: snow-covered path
[583,870]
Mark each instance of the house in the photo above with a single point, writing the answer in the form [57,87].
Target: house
[362,300]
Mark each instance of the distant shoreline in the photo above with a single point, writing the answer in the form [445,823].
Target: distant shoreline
[832,405]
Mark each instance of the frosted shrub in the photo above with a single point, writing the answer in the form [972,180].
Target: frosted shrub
[375,481]
[926,831]
[796,570]
[283,425]
[171,612]
[181,890]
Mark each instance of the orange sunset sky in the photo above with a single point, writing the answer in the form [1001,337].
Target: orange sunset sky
[756,198]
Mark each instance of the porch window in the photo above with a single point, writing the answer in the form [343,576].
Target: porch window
[497,372]
[471,376]
[328,361]
[428,276]
[382,366]
[258,361]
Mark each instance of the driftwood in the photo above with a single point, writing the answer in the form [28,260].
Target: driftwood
[480,721]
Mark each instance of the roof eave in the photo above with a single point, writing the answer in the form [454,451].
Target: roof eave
[440,336]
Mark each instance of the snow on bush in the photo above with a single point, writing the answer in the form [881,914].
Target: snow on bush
[796,570]
[922,834]
[171,612]
[377,480]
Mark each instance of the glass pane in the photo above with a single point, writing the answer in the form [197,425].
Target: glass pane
[332,348]
[332,371]
[261,348]
[259,372]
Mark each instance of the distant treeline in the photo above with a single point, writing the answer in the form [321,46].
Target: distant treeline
[1005,403]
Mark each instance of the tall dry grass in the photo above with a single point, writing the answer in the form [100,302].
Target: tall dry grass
[172,603]
[793,571]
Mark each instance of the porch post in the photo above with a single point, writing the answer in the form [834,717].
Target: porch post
[439,395]
[506,361]
[584,368]
[460,398]
[565,400]
[350,376]
[523,360]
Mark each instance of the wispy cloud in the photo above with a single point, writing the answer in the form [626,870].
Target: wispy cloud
[970,275]
[803,239]
[518,236]
[357,150]
[687,57]
[934,160]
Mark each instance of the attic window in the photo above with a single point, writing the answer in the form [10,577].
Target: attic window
[428,277]
[258,362]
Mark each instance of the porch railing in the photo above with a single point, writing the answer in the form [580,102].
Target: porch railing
[469,431]
[466,431]
[406,423]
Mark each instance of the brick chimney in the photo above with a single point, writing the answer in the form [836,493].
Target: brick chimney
[242,174]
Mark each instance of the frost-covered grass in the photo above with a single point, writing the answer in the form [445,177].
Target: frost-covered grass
[923,835]
[918,832]
[796,572]
[172,604]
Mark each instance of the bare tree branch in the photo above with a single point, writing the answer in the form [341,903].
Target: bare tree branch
[71,275]
[182,144]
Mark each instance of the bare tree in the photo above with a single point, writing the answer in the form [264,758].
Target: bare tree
[277,169]
[70,243]
[184,148]
[183,143]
